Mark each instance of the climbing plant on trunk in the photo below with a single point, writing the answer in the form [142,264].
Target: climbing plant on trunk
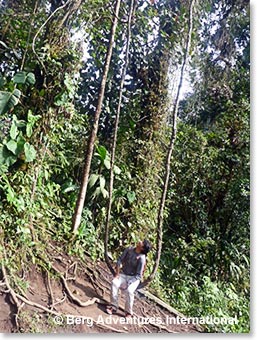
[159,230]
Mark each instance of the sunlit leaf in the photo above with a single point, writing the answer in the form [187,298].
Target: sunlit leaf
[12,146]
[30,152]
[92,180]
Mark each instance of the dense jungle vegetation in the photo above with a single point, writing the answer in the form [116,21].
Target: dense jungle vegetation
[125,99]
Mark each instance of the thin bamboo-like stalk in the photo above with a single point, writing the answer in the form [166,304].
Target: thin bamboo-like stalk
[94,130]
[114,142]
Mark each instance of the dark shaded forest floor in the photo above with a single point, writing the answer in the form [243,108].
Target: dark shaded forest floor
[74,301]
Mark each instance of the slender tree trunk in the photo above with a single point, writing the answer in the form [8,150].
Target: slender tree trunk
[92,138]
[117,119]
[169,154]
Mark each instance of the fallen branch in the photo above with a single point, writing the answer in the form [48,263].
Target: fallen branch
[160,303]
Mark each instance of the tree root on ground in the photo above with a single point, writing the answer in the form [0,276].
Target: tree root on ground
[102,325]
[70,294]
[156,325]
[19,301]
[50,291]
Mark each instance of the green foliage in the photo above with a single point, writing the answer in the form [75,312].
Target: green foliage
[88,239]
[218,300]
[24,78]
[8,100]
[97,181]
[15,147]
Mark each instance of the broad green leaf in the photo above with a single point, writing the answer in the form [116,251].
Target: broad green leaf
[105,193]
[24,78]
[6,157]
[14,130]
[23,230]
[32,118]
[70,188]
[107,163]
[8,100]
[3,44]
[102,183]
[10,194]
[19,77]
[116,170]
[30,152]
[102,152]
[96,193]
[30,78]
[20,204]
[92,180]
[20,143]
[12,146]
[69,85]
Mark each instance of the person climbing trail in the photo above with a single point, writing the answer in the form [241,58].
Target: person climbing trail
[129,272]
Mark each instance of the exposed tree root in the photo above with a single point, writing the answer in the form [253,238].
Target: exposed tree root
[49,288]
[19,301]
[157,325]
[59,302]
[74,298]
[10,290]
[101,325]
[16,297]
[75,265]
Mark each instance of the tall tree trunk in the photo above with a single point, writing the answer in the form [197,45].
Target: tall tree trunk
[117,119]
[92,138]
[169,154]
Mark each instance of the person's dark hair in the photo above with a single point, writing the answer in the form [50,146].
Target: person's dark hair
[147,247]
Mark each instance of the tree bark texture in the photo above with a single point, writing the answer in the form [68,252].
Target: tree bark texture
[169,154]
[93,134]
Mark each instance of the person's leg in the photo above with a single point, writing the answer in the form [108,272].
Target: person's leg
[130,291]
[116,283]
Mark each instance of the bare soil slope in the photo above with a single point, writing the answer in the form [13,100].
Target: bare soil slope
[74,301]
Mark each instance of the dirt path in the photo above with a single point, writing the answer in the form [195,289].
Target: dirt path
[84,283]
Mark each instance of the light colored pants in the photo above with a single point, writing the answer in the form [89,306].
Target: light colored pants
[121,282]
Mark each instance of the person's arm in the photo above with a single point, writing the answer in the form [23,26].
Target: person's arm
[140,270]
[119,262]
